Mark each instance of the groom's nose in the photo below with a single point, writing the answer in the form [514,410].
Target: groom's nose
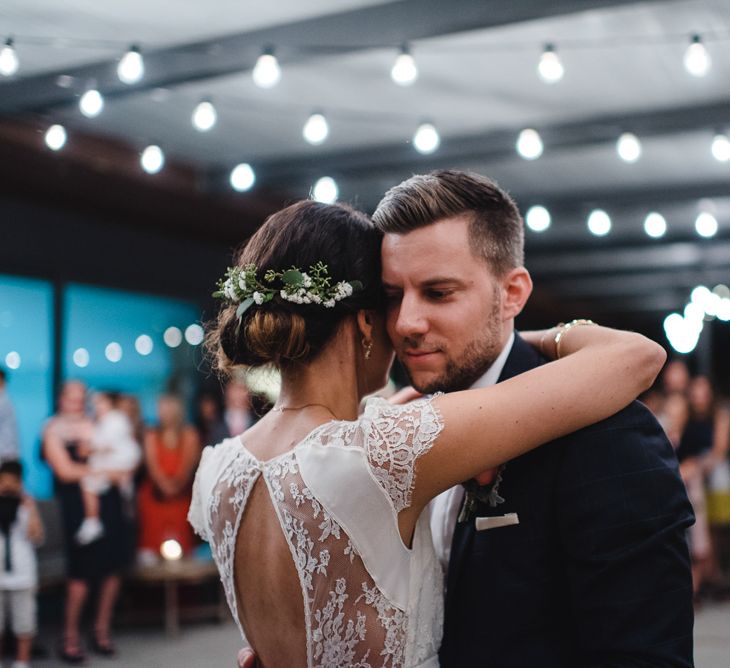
[411,321]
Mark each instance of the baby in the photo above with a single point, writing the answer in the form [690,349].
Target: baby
[113,453]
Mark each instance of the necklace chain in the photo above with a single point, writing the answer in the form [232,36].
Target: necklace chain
[281,409]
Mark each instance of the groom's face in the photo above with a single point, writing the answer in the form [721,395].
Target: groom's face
[444,314]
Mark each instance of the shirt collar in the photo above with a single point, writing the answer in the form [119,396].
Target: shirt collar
[493,372]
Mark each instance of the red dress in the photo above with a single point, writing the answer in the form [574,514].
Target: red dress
[160,518]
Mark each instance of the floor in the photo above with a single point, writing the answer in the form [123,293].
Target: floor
[215,645]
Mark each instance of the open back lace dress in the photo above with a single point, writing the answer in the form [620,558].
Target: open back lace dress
[369,601]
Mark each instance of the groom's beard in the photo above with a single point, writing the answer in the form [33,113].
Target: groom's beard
[474,361]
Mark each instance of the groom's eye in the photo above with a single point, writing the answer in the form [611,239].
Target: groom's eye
[438,294]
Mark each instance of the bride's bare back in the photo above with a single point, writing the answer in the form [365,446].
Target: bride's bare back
[271,607]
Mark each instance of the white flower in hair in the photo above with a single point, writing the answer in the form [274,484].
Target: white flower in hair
[258,298]
[230,290]
[242,282]
[330,303]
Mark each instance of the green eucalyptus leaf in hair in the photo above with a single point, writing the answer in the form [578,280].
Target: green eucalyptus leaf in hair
[292,277]
[356,285]
[243,307]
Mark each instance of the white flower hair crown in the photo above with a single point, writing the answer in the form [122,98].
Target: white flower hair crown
[242,286]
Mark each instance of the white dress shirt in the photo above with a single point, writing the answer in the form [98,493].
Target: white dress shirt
[445,507]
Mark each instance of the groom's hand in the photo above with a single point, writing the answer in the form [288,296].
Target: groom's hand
[404,396]
[246,658]
[486,477]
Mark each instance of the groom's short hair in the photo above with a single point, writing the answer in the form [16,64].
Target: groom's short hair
[496,229]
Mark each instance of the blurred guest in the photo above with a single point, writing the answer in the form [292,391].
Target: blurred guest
[9,445]
[210,424]
[171,453]
[66,439]
[238,413]
[705,442]
[113,448]
[21,531]
[130,406]
[675,377]
[674,416]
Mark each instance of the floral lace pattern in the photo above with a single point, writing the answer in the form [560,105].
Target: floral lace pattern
[349,621]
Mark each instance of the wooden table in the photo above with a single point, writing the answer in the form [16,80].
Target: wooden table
[172,574]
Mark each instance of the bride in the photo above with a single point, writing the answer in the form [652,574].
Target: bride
[315,514]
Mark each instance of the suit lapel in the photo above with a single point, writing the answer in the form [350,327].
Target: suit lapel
[522,357]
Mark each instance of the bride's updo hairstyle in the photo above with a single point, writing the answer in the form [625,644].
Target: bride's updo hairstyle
[281,333]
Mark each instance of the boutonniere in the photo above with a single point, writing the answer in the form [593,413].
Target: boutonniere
[476,493]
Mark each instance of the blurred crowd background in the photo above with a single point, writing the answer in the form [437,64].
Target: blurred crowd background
[140,144]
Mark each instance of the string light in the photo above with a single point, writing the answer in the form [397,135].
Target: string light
[242,177]
[91,103]
[325,190]
[538,218]
[316,129]
[706,225]
[599,223]
[9,62]
[550,68]
[404,71]
[131,66]
[113,352]
[683,334]
[628,147]
[721,147]
[194,334]
[81,357]
[266,73]
[152,159]
[144,344]
[426,139]
[55,137]
[204,116]
[172,337]
[655,225]
[12,360]
[697,60]
[529,144]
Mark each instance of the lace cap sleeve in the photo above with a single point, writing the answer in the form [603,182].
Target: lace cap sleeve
[196,513]
[395,437]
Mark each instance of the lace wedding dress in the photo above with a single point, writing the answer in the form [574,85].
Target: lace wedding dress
[369,601]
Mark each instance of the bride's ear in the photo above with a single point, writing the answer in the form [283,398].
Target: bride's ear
[365,324]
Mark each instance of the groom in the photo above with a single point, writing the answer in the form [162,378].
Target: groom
[584,562]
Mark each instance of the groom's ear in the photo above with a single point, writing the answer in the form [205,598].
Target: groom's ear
[516,290]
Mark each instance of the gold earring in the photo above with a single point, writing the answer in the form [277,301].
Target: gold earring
[368,348]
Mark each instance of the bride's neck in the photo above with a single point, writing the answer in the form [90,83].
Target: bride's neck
[331,379]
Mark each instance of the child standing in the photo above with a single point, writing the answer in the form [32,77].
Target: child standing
[21,531]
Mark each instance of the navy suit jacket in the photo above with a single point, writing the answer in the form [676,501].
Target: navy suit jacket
[596,573]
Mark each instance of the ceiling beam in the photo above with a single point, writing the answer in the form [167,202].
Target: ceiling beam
[603,263]
[384,25]
[394,160]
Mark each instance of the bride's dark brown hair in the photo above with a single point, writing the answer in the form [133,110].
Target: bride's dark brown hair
[282,333]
